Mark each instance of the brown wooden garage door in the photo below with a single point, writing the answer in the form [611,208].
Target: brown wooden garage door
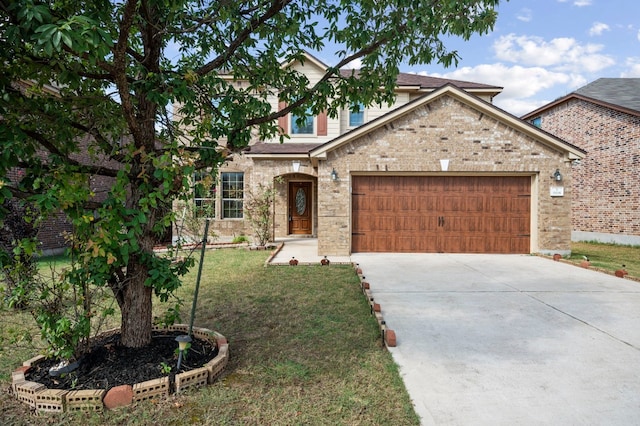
[436,214]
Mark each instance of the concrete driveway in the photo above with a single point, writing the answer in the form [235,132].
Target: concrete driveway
[510,339]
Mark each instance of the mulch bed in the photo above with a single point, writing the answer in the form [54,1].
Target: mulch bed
[110,364]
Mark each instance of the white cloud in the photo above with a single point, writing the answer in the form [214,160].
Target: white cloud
[525,15]
[563,54]
[356,64]
[632,68]
[598,28]
[638,35]
[519,107]
[520,84]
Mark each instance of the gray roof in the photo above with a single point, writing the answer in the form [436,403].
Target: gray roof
[624,92]
[428,82]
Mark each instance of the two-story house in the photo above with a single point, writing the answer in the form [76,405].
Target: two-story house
[603,118]
[442,170]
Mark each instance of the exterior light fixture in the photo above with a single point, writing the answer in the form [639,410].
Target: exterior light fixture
[183,344]
[334,175]
[296,166]
[557,176]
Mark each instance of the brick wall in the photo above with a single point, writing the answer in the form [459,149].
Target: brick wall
[474,143]
[53,230]
[606,183]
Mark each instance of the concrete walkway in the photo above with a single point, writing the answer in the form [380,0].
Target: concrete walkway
[305,250]
[506,339]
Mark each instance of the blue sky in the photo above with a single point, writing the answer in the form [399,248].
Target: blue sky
[541,50]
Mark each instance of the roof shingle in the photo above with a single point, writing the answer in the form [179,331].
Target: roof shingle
[624,92]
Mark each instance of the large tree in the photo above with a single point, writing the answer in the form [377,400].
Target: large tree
[87,90]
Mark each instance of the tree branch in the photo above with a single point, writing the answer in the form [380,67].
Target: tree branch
[276,6]
[120,67]
[328,75]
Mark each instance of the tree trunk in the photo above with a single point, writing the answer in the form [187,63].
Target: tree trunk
[136,324]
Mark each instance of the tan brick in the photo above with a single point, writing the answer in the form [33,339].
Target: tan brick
[85,400]
[151,388]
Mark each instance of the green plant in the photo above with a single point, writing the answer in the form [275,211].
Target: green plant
[190,221]
[17,248]
[165,368]
[257,207]
[240,239]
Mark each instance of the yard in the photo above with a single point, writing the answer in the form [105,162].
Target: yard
[304,350]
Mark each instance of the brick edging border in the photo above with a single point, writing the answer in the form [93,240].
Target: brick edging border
[42,399]
[388,335]
[593,268]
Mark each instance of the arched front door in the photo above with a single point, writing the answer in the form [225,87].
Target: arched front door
[300,204]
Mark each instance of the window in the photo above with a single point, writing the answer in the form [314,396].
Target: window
[356,115]
[232,195]
[537,121]
[302,125]
[204,194]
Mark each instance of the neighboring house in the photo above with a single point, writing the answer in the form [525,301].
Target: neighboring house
[442,170]
[603,118]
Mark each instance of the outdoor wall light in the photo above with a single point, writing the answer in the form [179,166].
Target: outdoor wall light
[183,344]
[557,176]
[296,166]
[334,175]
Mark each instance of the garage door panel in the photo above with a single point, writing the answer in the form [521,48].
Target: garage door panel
[428,203]
[442,214]
[475,203]
[406,203]
[383,223]
[428,223]
[452,244]
[407,223]
[407,243]
[520,205]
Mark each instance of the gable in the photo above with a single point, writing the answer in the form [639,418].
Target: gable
[426,113]
[445,129]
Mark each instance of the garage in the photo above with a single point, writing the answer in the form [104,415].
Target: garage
[441,214]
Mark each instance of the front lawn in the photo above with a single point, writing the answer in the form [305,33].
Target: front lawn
[608,257]
[304,350]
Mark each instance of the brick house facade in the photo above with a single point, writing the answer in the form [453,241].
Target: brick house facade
[602,118]
[478,139]
[455,173]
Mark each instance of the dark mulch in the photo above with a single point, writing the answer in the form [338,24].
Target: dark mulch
[110,364]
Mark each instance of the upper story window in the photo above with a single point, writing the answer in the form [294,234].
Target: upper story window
[232,195]
[302,125]
[356,115]
[537,121]
[204,194]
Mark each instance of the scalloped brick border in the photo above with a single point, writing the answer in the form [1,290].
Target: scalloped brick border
[37,396]
[388,335]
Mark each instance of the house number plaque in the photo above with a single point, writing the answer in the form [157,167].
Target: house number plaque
[557,191]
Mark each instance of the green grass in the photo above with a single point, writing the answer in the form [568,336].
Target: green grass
[609,257]
[304,350]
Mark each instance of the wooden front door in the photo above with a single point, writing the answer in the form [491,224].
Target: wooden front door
[300,204]
[463,214]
